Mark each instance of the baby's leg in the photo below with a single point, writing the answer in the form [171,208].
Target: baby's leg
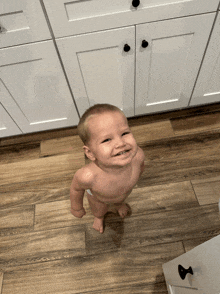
[99,209]
[122,208]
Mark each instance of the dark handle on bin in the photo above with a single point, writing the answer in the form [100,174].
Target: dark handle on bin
[183,272]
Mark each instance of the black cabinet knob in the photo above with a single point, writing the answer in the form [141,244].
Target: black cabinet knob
[127,48]
[135,3]
[144,44]
[183,272]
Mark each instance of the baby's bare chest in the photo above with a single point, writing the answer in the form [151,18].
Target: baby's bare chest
[111,186]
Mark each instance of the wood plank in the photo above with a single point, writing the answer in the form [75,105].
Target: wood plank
[57,214]
[181,159]
[173,196]
[142,201]
[71,144]
[82,274]
[117,237]
[21,152]
[197,123]
[207,190]
[152,131]
[154,229]
[192,243]
[43,168]
[41,246]
[33,192]
[169,226]
[16,220]
[156,288]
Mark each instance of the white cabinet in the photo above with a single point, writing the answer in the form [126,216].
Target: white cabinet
[98,68]
[7,125]
[205,263]
[167,68]
[71,17]
[22,22]
[101,67]
[34,90]
[207,88]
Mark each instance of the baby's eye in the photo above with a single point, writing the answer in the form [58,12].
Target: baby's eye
[125,133]
[106,140]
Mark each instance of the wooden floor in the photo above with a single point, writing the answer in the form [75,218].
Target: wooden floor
[44,249]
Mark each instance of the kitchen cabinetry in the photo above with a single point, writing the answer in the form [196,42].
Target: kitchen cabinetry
[33,88]
[207,88]
[140,55]
[204,261]
[163,56]
[72,17]
[34,92]
[22,22]
[98,68]
[167,68]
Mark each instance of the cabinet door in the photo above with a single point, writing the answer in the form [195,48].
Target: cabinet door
[34,90]
[205,262]
[22,22]
[207,89]
[7,125]
[71,17]
[98,68]
[167,68]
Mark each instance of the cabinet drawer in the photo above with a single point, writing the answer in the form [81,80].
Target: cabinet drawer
[72,17]
[22,22]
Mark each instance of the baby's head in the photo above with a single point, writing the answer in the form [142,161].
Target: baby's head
[108,140]
[83,127]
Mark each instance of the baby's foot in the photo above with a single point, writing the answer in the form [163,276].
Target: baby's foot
[98,224]
[123,210]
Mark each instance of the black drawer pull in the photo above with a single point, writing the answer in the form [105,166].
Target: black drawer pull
[127,48]
[144,44]
[183,272]
[135,3]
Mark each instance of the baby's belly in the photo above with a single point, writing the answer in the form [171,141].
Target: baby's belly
[111,199]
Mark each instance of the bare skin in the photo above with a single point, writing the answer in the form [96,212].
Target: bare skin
[116,165]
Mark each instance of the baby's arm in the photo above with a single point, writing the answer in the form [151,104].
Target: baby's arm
[142,157]
[81,182]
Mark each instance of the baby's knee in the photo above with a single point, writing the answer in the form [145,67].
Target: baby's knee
[100,212]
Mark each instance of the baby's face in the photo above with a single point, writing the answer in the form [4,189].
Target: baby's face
[111,142]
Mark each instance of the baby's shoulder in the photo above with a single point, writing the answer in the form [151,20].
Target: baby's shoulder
[140,155]
[85,176]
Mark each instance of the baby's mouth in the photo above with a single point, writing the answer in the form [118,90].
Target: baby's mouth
[122,152]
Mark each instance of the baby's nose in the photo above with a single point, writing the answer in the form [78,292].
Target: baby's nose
[119,142]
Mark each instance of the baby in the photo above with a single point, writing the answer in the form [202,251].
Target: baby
[116,163]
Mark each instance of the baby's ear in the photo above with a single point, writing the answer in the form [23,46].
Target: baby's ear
[88,153]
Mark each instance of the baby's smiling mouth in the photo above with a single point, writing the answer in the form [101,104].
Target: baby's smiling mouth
[122,152]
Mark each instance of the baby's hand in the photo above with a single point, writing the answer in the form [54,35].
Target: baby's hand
[78,213]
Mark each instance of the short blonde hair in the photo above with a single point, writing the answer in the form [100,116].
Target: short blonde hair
[82,127]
